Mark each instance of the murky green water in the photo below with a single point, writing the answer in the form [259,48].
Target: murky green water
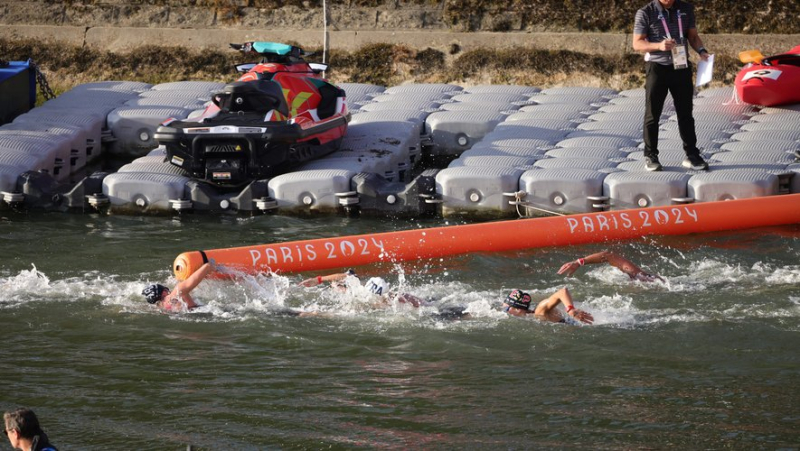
[708,360]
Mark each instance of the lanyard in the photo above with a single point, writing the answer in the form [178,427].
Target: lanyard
[666,28]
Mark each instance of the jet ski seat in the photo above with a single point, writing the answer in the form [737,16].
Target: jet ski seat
[327,105]
[260,96]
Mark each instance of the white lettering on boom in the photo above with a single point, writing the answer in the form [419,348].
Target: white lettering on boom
[642,219]
[255,255]
[286,254]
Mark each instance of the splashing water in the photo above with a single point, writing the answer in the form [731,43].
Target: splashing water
[613,299]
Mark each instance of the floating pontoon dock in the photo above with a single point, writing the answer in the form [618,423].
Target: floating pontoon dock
[508,150]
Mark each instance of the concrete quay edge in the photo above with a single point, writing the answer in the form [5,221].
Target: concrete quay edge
[125,38]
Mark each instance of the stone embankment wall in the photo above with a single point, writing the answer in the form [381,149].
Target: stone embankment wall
[533,42]
[575,25]
[714,16]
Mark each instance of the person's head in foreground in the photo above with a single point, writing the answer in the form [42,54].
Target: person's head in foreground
[23,430]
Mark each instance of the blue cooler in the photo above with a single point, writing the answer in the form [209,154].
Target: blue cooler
[17,89]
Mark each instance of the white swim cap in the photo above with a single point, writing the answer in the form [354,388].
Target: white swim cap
[377,286]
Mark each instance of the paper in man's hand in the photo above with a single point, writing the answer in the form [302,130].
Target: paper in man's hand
[704,71]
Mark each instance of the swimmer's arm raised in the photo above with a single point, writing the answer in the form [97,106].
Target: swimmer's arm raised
[617,261]
[314,281]
[564,297]
[191,282]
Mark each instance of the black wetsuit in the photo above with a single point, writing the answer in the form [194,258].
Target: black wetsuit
[41,443]
[451,313]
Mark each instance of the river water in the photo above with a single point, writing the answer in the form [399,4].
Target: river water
[707,360]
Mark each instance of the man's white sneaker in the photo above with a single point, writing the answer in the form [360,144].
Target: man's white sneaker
[695,163]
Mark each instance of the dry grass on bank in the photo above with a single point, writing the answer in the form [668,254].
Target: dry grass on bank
[380,64]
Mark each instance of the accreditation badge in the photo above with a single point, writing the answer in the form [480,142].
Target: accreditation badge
[680,59]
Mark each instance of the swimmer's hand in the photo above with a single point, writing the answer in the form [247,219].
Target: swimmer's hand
[222,269]
[647,277]
[312,282]
[406,298]
[569,268]
[580,315]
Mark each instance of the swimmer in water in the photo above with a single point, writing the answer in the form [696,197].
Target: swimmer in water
[385,296]
[518,303]
[178,299]
[624,265]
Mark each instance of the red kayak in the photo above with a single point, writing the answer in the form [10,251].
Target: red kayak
[769,81]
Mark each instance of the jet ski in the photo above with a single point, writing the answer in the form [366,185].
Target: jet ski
[769,81]
[278,114]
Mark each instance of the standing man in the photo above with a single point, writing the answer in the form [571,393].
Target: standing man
[663,31]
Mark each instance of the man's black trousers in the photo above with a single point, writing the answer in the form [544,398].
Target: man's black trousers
[661,80]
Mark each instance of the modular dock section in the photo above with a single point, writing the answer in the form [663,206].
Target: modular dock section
[491,151]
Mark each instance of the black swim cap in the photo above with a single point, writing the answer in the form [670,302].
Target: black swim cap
[519,299]
[154,292]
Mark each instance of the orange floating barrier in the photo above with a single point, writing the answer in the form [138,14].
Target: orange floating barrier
[357,250]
